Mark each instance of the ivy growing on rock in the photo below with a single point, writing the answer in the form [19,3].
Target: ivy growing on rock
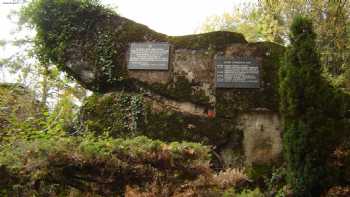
[119,114]
[78,37]
[128,114]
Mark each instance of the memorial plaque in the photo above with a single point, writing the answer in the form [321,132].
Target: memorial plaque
[149,56]
[237,72]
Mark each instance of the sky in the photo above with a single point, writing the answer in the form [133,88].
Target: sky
[172,17]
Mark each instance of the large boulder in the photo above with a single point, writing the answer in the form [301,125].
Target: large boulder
[91,43]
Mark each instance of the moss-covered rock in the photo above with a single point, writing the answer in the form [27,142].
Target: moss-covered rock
[119,114]
[91,43]
[214,40]
[181,90]
[125,114]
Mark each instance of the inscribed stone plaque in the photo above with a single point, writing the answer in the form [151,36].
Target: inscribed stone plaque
[237,72]
[149,56]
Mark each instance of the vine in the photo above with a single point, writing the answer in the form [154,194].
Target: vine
[76,35]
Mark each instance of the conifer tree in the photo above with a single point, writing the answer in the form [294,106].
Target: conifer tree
[312,113]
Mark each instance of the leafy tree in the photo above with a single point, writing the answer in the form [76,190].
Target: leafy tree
[269,20]
[248,20]
[331,21]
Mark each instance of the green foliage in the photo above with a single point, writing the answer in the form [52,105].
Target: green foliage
[67,28]
[119,115]
[22,117]
[277,182]
[245,193]
[313,112]
[251,20]
[250,193]
[175,126]
[103,165]
[270,21]
[20,112]
[47,83]
[260,173]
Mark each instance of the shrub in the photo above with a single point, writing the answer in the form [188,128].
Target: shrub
[338,192]
[81,30]
[102,165]
[213,184]
[230,177]
[245,193]
[119,114]
[20,112]
[313,113]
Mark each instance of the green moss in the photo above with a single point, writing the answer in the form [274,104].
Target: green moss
[173,126]
[119,115]
[180,90]
[214,40]
[108,113]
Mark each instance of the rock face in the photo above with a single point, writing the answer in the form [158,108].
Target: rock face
[181,103]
